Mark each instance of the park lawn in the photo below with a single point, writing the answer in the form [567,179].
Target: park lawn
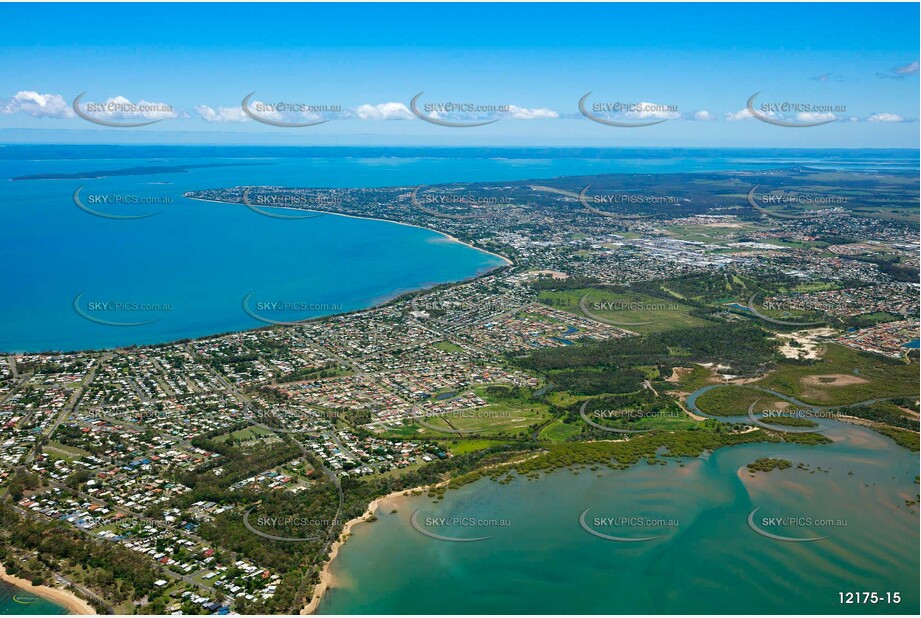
[558,431]
[247,433]
[662,314]
[462,447]
[563,399]
[447,346]
[62,451]
[500,417]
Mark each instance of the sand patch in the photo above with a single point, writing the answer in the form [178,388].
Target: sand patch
[807,344]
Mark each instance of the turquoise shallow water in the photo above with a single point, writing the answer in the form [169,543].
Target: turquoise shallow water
[708,560]
[14,601]
[189,267]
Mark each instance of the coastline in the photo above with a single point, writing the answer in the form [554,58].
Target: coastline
[71,602]
[507,261]
[326,578]
[376,305]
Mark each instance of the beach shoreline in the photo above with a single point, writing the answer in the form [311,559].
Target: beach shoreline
[507,261]
[326,578]
[71,602]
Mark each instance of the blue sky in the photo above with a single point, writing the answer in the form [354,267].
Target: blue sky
[693,65]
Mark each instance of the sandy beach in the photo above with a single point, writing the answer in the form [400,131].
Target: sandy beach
[73,603]
[326,578]
[507,261]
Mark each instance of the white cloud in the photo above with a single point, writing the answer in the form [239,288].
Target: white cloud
[701,115]
[885,117]
[901,72]
[814,116]
[911,68]
[742,114]
[221,114]
[37,105]
[531,113]
[384,111]
[123,109]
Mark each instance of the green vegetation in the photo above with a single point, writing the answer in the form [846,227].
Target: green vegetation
[117,572]
[733,400]
[688,443]
[766,464]
[902,437]
[693,378]
[849,376]
[558,431]
[632,309]
[462,447]
[883,412]
[590,369]
[447,346]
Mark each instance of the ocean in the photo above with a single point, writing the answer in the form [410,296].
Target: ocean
[707,559]
[189,268]
[14,601]
[185,271]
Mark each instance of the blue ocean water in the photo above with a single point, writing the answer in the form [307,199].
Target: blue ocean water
[17,602]
[704,557]
[185,271]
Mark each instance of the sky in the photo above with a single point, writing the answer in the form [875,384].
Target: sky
[689,68]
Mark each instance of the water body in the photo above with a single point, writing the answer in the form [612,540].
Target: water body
[185,271]
[708,559]
[14,601]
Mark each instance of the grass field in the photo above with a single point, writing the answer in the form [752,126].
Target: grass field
[462,447]
[843,376]
[712,234]
[628,308]
[495,418]
[447,346]
[245,434]
[563,399]
[558,431]
[68,453]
